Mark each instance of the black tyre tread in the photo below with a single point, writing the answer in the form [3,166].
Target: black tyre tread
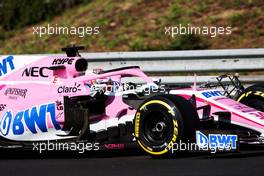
[190,117]
[255,87]
[178,116]
[258,85]
[253,101]
[165,98]
[191,120]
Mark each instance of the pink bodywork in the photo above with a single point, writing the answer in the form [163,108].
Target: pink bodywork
[51,88]
[241,114]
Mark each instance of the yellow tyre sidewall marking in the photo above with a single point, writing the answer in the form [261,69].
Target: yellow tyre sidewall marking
[159,102]
[175,128]
[137,124]
[244,95]
[257,93]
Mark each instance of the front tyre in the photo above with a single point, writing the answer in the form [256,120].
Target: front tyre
[253,96]
[157,125]
[162,121]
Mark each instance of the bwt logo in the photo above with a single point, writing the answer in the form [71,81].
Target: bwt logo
[6,65]
[210,94]
[214,142]
[30,119]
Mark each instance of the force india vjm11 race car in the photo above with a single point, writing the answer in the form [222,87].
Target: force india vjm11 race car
[57,98]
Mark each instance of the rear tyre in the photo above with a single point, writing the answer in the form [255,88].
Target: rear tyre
[162,121]
[253,96]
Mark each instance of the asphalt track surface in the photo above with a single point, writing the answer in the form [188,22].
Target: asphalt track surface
[132,162]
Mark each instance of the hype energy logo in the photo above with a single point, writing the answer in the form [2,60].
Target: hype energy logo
[216,142]
[28,119]
[6,65]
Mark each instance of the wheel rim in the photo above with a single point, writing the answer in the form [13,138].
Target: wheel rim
[156,128]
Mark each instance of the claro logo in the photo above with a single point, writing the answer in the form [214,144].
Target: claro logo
[69,89]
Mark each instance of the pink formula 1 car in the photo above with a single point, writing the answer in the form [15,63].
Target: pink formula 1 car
[59,99]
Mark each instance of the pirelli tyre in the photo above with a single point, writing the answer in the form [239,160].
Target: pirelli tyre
[162,121]
[253,96]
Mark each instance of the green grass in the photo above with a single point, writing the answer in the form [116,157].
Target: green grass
[236,18]
[132,25]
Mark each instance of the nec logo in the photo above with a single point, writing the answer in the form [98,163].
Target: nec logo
[6,65]
[35,72]
[210,94]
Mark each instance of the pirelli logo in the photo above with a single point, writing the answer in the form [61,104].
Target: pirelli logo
[137,124]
